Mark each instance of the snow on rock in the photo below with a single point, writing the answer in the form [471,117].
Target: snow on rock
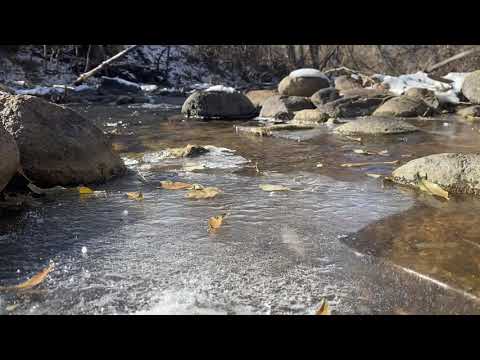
[307,73]
[149,87]
[446,93]
[122,81]
[48,90]
[221,88]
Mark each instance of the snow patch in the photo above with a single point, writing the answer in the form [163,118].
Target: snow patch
[308,73]
[221,88]
[122,81]
[458,79]
[148,87]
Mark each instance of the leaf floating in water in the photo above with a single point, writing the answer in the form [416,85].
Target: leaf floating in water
[375,176]
[268,187]
[135,196]
[432,188]
[359,139]
[319,165]
[83,190]
[193,167]
[324,308]
[365,152]
[33,281]
[171,185]
[205,193]
[12,307]
[215,222]
[370,163]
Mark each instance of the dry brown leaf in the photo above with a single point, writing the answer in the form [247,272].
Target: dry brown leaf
[215,222]
[268,187]
[33,281]
[171,185]
[370,163]
[324,308]
[83,190]
[135,195]
[205,193]
[366,152]
[432,188]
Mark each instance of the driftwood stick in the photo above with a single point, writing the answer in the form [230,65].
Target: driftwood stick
[86,75]
[453,58]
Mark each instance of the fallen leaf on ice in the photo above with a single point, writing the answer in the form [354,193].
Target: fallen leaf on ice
[205,193]
[135,196]
[324,308]
[33,281]
[171,185]
[268,187]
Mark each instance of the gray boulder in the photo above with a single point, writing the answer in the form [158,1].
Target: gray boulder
[10,157]
[310,116]
[323,96]
[117,86]
[375,126]
[302,86]
[471,87]
[284,107]
[455,173]
[347,82]
[403,106]
[219,104]
[351,106]
[57,146]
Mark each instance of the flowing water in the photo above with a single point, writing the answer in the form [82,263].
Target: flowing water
[337,234]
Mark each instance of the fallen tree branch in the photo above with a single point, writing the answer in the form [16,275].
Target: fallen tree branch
[86,75]
[453,58]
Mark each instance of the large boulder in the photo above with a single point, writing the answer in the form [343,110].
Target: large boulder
[323,96]
[10,157]
[455,173]
[403,106]
[428,96]
[303,82]
[471,87]
[310,116]
[352,106]
[219,104]
[258,97]
[57,145]
[375,126]
[347,82]
[284,107]
[118,86]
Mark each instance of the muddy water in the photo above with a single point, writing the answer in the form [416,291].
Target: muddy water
[337,234]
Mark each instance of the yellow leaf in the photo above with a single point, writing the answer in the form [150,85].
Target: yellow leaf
[268,187]
[83,190]
[375,176]
[135,196]
[171,185]
[35,280]
[370,163]
[205,193]
[215,222]
[324,308]
[432,188]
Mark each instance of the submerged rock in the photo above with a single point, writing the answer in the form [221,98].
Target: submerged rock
[187,151]
[351,106]
[324,96]
[57,145]
[403,106]
[375,126]
[10,157]
[258,97]
[303,82]
[118,86]
[284,107]
[471,87]
[454,172]
[310,116]
[219,104]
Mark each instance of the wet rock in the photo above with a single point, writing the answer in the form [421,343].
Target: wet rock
[219,104]
[10,157]
[117,86]
[470,111]
[284,107]
[471,87]
[258,97]
[302,86]
[57,146]
[424,94]
[324,96]
[454,172]
[351,106]
[347,82]
[403,106]
[6,90]
[310,116]
[187,151]
[375,126]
